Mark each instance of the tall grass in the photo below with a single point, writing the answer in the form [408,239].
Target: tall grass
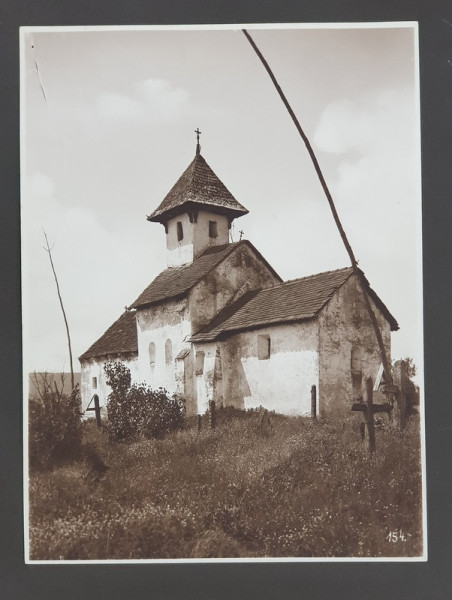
[309,489]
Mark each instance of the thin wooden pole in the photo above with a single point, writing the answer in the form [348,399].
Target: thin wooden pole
[49,252]
[313,402]
[212,414]
[97,411]
[369,414]
[401,381]
[324,185]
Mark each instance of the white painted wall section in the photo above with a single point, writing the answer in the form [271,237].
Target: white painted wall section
[156,325]
[283,382]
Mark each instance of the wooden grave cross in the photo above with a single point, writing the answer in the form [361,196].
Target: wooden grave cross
[96,409]
[368,408]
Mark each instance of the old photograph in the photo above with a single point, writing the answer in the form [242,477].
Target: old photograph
[222,293]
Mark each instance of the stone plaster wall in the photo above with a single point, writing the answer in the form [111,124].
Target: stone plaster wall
[157,324]
[95,368]
[207,381]
[283,381]
[186,384]
[343,325]
[201,232]
[240,272]
[179,252]
[196,237]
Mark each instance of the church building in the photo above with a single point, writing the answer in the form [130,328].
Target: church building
[220,324]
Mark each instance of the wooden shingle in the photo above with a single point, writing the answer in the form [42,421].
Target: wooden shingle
[295,300]
[197,187]
[120,338]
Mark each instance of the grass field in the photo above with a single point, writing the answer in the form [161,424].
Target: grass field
[307,489]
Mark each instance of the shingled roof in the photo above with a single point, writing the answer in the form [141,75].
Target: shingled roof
[197,187]
[177,281]
[120,338]
[295,300]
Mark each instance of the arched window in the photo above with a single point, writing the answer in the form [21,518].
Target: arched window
[152,354]
[168,351]
[356,359]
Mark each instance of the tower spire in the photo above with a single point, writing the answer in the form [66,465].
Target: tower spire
[198,146]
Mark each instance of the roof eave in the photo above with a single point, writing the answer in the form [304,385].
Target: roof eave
[380,304]
[106,355]
[161,300]
[222,335]
[190,205]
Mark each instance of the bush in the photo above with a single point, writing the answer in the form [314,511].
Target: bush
[54,427]
[135,410]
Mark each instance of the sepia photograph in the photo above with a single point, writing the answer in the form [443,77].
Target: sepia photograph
[222,293]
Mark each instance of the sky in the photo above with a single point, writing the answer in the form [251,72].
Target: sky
[107,127]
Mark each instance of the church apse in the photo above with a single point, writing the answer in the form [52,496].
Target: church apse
[348,349]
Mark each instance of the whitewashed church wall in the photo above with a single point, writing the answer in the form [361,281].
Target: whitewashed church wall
[239,273]
[205,374]
[196,236]
[201,239]
[346,333]
[156,325]
[93,379]
[179,252]
[282,382]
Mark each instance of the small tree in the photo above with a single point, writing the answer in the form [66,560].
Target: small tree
[410,367]
[49,252]
[54,425]
[121,419]
[137,409]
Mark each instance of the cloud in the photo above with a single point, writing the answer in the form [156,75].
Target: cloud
[41,185]
[152,100]
[367,124]
[373,148]
[97,270]
[374,142]
[113,105]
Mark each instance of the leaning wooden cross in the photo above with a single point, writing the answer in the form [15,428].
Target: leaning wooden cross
[96,409]
[368,408]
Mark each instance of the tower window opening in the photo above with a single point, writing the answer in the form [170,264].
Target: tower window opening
[180,231]
[213,232]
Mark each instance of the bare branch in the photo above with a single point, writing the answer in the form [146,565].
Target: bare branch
[49,251]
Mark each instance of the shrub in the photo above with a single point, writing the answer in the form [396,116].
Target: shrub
[55,427]
[135,409]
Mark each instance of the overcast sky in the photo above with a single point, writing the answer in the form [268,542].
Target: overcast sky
[108,120]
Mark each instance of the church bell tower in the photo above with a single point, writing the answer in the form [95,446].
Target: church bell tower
[197,212]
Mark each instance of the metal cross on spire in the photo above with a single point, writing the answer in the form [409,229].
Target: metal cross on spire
[198,147]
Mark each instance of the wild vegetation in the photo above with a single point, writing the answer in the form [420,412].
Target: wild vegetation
[136,409]
[296,489]
[55,428]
